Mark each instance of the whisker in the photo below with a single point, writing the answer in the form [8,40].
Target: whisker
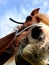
[16,21]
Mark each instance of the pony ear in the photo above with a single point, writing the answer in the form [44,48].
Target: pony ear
[35,11]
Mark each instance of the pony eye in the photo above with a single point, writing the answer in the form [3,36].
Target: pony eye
[28,18]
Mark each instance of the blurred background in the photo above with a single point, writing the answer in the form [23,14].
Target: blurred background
[18,10]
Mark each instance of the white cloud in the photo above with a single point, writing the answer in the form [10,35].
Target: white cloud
[5,23]
[24,11]
[47,13]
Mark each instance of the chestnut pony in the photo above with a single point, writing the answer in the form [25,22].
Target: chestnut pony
[9,43]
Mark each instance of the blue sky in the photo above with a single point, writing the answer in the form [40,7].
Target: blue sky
[18,10]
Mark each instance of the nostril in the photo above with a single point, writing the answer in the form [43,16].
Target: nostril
[40,39]
[35,32]
[35,55]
